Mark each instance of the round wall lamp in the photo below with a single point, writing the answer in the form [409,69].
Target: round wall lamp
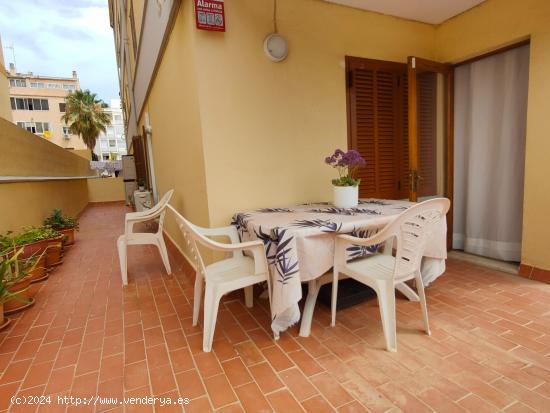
[275,47]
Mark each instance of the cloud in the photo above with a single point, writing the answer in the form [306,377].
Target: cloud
[53,37]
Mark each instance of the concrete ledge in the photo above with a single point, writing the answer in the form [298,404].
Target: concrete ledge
[12,179]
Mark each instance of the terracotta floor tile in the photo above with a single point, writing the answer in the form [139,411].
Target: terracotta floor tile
[207,364]
[153,336]
[265,377]
[181,360]
[134,351]
[111,367]
[16,371]
[282,401]
[317,405]
[236,372]
[136,375]
[27,350]
[252,398]
[439,402]
[298,384]
[331,389]
[175,339]
[6,392]
[277,358]
[157,356]
[88,362]
[162,380]
[473,403]
[305,362]
[85,385]
[353,407]
[60,380]
[249,353]
[190,384]
[38,375]
[200,405]
[67,356]
[219,390]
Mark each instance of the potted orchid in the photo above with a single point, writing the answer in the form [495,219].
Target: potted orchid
[346,186]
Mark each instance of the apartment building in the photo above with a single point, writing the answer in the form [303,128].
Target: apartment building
[111,144]
[38,103]
[5,111]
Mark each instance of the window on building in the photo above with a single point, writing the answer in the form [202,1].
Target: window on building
[62,107]
[37,85]
[69,87]
[66,131]
[29,104]
[35,127]
[110,130]
[105,156]
[18,83]
[112,143]
[117,118]
[54,86]
[104,145]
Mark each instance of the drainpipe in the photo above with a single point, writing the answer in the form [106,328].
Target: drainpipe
[148,133]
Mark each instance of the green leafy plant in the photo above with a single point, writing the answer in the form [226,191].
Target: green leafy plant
[57,221]
[28,236]
[13,270]
[141,183]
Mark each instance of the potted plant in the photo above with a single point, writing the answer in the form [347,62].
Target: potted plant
[34,241]
[141,184]
[64,224]
[346,186]
[14,284]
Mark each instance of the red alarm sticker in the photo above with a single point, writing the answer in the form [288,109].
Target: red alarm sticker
[210,15]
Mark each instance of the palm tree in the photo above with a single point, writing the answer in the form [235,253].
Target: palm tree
[85,116]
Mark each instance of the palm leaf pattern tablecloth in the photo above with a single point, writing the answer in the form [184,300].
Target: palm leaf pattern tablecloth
[299,243]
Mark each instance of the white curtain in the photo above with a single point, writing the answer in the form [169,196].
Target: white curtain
[489,152]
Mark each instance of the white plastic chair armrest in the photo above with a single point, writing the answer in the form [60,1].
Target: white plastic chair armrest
[342,241]
[229,232]
[256,247]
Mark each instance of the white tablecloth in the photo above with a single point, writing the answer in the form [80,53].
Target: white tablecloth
[299,243]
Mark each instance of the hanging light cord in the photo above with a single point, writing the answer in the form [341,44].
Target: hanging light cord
[275,16]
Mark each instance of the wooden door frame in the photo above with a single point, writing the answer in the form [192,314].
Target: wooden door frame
[414,66]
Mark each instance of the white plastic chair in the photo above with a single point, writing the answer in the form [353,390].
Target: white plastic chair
[144,238]
[222,277]
[410,231]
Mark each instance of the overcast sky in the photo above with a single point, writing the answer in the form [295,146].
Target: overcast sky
[55,37]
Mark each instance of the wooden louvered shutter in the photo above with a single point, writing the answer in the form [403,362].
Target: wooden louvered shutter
[427,133]
[377,124]
[139,149]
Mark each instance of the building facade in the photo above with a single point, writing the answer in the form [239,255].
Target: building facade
[230,129]
[38,103]
[111,145]
[5,110]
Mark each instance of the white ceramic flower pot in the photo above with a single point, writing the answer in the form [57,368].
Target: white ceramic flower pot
[346,196]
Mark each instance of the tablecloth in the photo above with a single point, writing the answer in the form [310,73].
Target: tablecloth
[299,242]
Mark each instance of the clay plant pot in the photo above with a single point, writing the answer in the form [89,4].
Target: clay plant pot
[54,252]
[4,321]
[23,300]
[68,236]
[40,270]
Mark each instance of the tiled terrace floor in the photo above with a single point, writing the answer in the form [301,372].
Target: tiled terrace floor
[87,336]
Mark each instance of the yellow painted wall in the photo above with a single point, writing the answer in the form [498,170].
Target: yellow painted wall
[28,203]
[489,26]
[25,154]
[106,189]
[175,119]
[267,127]
[233,130]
